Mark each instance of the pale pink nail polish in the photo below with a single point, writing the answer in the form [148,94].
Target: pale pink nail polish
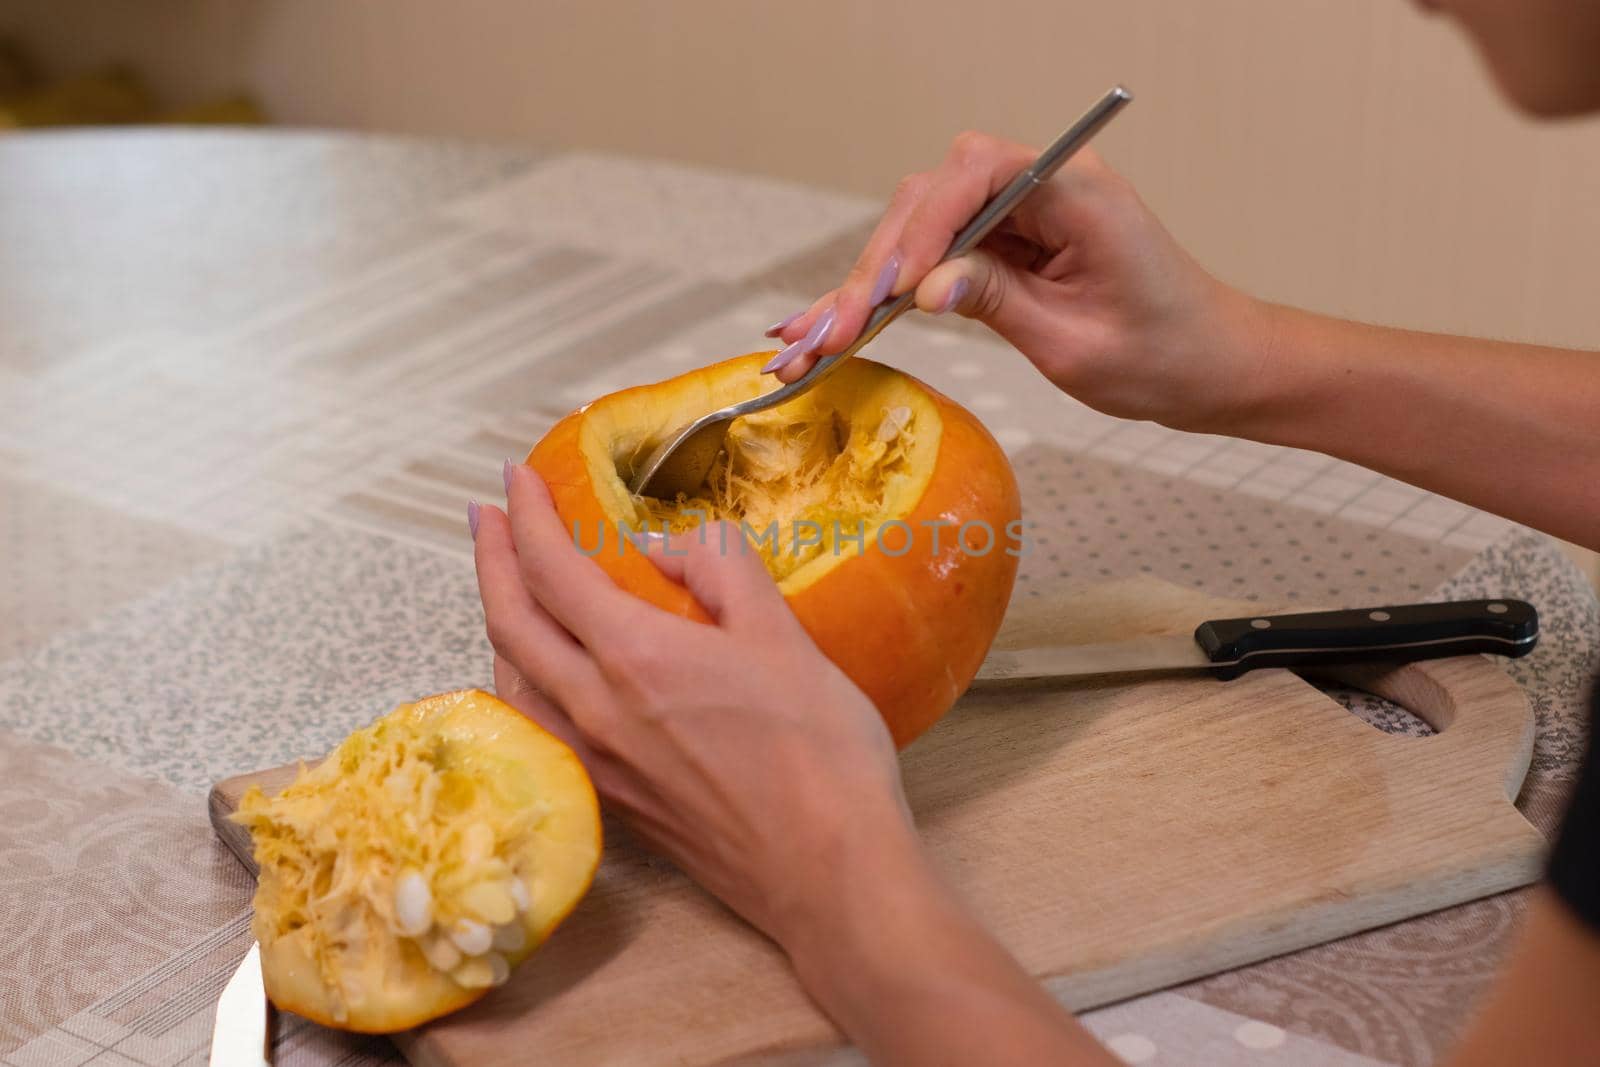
[472,518]
[803,347]
[958,293]
[782,324]
[886,279]
[505,476]
[821,328]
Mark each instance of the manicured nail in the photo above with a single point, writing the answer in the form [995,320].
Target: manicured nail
[958,293]
[782,324]
[803,347]
[886,279]
[472,518]
[505,476]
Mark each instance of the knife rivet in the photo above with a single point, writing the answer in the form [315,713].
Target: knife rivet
[1261,624]
[1498,609]
[1378,616]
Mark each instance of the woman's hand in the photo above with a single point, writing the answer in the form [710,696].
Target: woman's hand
[736,748]
[1082,279]
[1094,291]
[743,754]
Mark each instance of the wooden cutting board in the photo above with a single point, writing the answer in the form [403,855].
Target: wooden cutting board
[1119,837]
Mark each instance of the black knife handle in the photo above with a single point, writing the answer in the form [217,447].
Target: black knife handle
[1404,633]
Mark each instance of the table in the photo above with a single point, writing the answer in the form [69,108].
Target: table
[248,381]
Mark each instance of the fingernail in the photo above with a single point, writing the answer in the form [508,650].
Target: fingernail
[782,324]
[505,476]
[958,293]
[803,347]
[886,279]
[472,518]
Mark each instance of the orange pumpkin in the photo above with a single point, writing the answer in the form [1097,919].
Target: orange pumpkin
[887,513]
[412,869]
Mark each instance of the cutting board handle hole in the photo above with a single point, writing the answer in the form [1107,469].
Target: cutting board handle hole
[1376,711]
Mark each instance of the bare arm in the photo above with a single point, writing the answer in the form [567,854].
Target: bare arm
[1087,284]
[1542,1007]
[1090,287]
[1512,429]
[900,966]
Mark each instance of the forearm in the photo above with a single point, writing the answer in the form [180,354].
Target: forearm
[901,967]
[1541,1008]
[1512,429]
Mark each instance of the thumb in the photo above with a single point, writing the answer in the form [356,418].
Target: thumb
[982,286]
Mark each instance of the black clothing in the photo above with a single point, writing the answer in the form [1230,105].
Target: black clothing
[1575,861]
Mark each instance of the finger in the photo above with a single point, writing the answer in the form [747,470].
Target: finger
[724,572]
[570,586]
[976,167]
[591,733]
[621,791]
[983,286]
[799,325]
[777,328]
[512,687]
[521,631]
[797,356]
[877,274]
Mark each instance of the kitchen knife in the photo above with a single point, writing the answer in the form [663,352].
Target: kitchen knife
[1227,648]
[242,1034]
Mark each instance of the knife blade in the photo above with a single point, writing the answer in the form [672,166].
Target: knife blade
[1227,648]
[242,1035]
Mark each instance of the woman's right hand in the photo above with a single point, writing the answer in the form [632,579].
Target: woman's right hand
[1082,278]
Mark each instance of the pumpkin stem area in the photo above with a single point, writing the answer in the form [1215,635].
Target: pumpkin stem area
[804,479]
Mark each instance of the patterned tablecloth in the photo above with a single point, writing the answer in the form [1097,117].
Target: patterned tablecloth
[248,382]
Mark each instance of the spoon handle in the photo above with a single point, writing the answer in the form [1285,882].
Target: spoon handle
[992,214]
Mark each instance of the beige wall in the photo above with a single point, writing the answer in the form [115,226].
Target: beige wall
[1347,155]
[1343,154]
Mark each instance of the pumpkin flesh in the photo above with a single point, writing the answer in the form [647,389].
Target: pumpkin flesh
[412,869]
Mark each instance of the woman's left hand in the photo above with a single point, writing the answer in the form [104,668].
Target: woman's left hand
[736,748]
[743,754]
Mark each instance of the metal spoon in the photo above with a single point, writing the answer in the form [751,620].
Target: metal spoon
[680,463]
